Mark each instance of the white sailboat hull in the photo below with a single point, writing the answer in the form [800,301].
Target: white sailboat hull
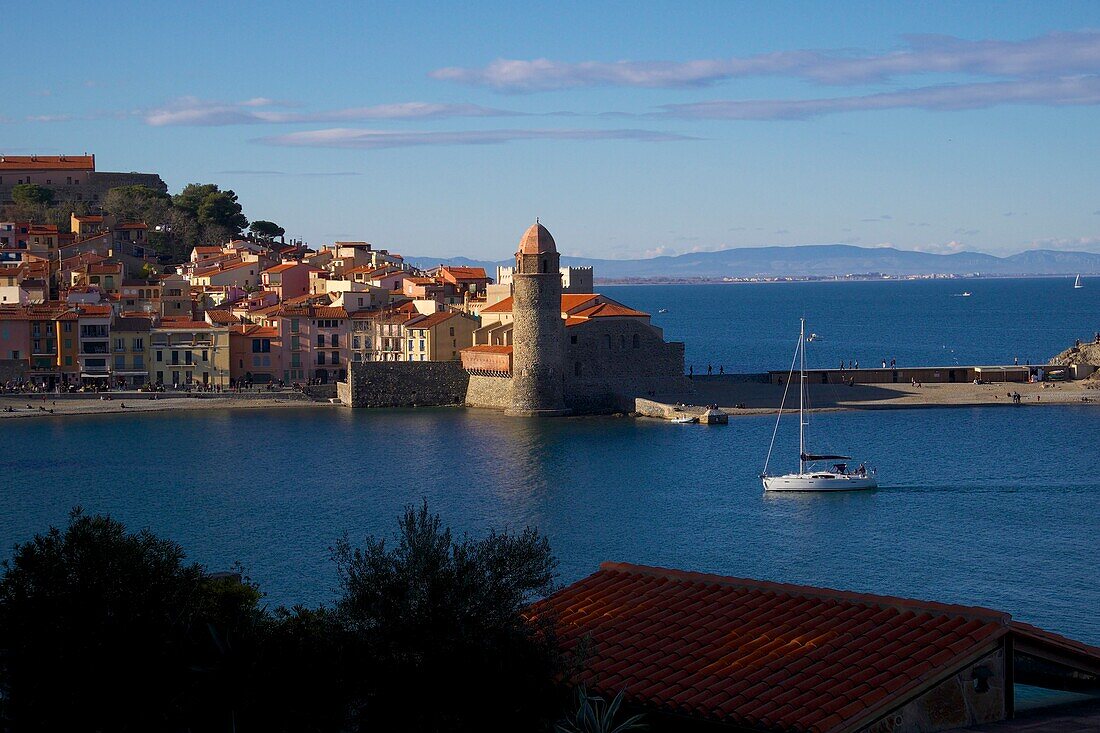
[820,481]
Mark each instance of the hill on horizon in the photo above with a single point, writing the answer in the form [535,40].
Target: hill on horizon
[813,260]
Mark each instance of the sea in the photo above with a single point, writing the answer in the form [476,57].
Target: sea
[994,506]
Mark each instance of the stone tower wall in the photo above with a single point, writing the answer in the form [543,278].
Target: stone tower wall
[538,348]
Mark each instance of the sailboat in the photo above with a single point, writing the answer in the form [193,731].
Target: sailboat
[1077,283]
[837,477]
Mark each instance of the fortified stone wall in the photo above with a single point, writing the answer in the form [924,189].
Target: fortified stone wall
[404,384]
[92,188]
[491,392]
[608,360]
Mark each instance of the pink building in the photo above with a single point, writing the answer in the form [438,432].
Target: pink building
[315,340]
[288,280]
[15,334]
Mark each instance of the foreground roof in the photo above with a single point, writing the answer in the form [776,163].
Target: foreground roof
[47,162]
[763,655]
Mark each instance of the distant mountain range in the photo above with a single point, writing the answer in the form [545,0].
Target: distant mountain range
[814,260]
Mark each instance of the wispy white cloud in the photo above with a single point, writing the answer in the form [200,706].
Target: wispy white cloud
[941,248]
[261,110]
[50,118]
[1079,90]
[1053,54]
[341,137]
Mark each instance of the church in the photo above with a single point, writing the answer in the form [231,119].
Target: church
[542,352]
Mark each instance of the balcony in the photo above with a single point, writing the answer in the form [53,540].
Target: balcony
[93,348]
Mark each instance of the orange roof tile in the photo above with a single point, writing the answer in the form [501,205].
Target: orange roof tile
[283,267]
[606,310]
[430,320]
[489,349]
[47,162]
[329,311]
[761,655]
[569,301]
[170,324]
[222,317]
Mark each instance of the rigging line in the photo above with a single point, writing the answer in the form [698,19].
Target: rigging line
[782,404]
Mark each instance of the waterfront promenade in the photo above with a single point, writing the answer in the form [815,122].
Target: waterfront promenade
[15,406]
[757,398]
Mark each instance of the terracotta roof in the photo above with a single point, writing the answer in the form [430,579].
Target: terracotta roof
[429,321]
[569,301]
[221,317]
[47,162]
[329,311]
[762,655]
[97,311]
[489,349]
[168,324]
[90,218]
[283,267]
[131,323]
[209,250]
[536,240]
[606,310]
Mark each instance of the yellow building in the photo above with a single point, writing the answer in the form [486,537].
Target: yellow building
[186,353]
[439,336]
[130,342]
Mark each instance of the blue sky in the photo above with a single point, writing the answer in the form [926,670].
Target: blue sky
[631,129]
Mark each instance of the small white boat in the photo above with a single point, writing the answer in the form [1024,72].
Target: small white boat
[662,310]
[837,477]
[966,294]
[685,420]
[812,337]
[1077,283]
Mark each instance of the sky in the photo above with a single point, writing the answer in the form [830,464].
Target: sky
[631,129]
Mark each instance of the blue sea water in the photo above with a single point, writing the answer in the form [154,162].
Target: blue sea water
[996,506]
[753,327]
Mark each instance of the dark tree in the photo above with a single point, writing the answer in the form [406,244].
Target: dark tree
[442,624]
[107,630]
[221,209]
[192,196]
[266,229]
[31,196]
[138,203]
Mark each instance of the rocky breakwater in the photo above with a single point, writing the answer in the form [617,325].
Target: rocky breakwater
[1082,359]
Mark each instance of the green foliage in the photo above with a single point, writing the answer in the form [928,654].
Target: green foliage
[594,714]
[266,229]
[447,616]
[31,195]
[138,203]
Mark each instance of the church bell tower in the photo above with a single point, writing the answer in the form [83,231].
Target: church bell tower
[538,333]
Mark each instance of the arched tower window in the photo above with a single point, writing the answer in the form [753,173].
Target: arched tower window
[543,265]
[607,340]
[637,341]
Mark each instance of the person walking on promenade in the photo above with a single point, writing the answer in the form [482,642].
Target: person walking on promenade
[721,369]
[883,363]
[710,369]
[893,363]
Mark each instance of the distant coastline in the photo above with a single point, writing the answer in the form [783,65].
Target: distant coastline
[781,279]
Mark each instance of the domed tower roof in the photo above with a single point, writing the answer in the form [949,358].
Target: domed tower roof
[536,241]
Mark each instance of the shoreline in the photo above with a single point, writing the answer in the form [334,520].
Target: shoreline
[757,399]
[68,406]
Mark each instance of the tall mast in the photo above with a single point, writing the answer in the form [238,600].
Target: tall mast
[801,394]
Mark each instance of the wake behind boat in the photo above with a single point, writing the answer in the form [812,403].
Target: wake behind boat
[838,476]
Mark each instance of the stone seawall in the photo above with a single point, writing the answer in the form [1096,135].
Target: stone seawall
[404,384]
[491,392]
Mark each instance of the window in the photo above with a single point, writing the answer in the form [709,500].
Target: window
[637,341]
[294,325]
[320,339]
[320,357]
[255,360]
[14,354]
[120,362]
[607,340]
[261,346]
[335,340]
[267,360]
[139,344]
[139,361]
[205,355]
[68,361]
[188,357]
[573,338]
[355,342]
[335,358]
[452,330]
[67,327]
[120,344]
[410,345]
[421,344]
[160,356]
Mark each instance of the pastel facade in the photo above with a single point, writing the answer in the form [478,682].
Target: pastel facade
[189,353]
[438,337]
